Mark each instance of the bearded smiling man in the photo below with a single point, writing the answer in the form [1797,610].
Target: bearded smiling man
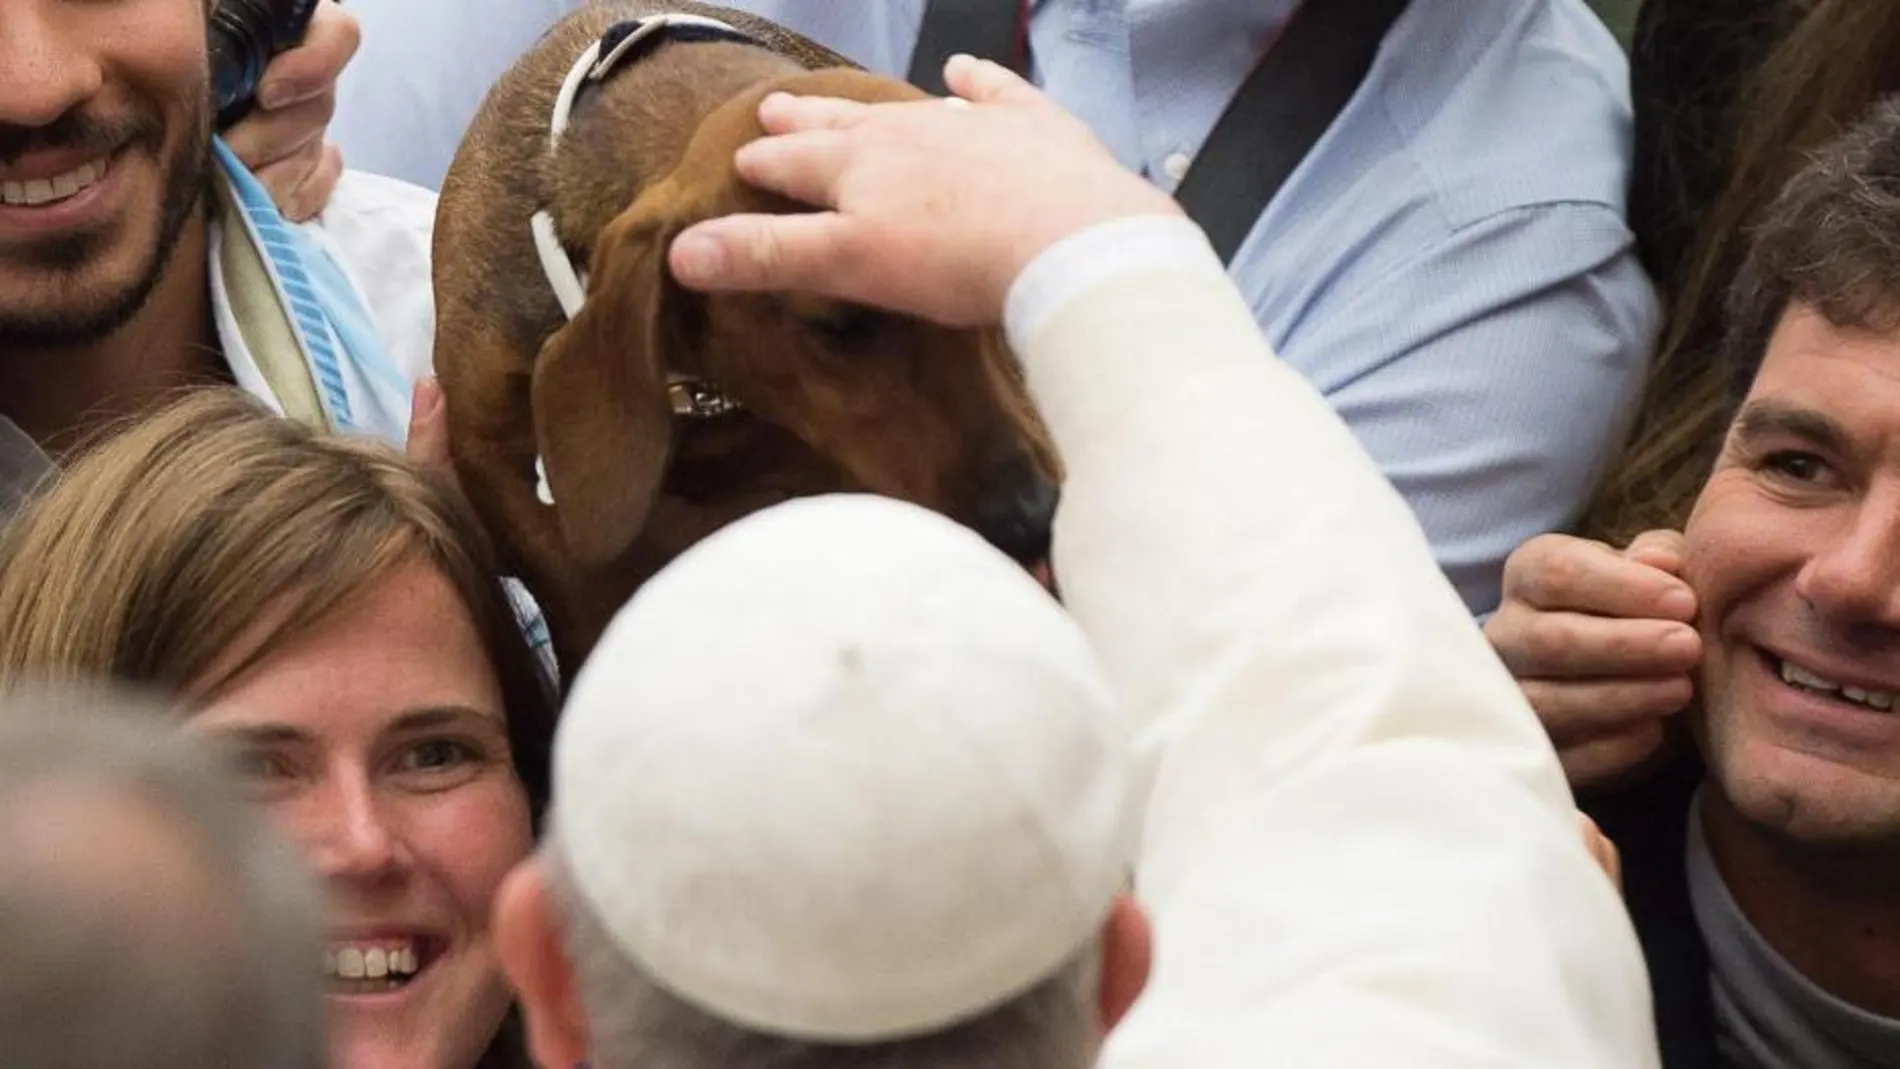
[97,197]
[138,254]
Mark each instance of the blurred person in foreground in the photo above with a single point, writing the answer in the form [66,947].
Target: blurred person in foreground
[150,918]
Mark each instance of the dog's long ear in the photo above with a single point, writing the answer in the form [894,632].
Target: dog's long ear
[601,417]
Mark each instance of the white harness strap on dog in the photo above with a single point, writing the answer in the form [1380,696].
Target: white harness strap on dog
[568,282]
[689,397]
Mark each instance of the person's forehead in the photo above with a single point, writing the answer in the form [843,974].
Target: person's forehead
[1851,374]
[278,718]
[404,647]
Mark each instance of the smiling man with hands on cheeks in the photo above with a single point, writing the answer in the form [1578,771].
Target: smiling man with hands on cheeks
[138,254]
[1765,876]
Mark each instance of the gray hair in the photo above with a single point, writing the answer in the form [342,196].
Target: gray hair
[150,918]
[634,1023]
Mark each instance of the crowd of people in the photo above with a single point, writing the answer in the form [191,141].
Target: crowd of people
[1476,638]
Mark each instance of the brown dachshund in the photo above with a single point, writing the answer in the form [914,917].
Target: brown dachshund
[658,414]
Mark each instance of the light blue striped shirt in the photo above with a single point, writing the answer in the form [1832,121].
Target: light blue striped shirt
[1450,266]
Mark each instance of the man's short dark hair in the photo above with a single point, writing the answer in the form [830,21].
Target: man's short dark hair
[1830,240]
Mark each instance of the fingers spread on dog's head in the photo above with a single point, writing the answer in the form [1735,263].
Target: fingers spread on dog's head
[785,113]
[845,84]
[802,167]
[753,253]
[987,82]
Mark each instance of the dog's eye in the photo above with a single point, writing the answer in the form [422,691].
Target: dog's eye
[850,328]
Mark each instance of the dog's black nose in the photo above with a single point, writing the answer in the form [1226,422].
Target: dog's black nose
[1016,512]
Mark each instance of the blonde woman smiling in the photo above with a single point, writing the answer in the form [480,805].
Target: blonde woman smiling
[327,610]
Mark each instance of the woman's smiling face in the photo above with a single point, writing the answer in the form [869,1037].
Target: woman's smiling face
[378,740]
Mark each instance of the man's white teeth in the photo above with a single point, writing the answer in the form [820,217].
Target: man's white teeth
[1874,699]
[1792,673]
[1879,700]
[38,191]
[370,962]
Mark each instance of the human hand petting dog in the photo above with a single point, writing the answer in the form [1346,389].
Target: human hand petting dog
[282,140]
[1603,643]
[933,208]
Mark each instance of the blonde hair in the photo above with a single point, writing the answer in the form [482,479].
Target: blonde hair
[164,545]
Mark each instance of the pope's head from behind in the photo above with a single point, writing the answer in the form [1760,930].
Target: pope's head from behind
[843,784]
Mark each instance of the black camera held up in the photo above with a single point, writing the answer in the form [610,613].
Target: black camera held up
[245,34]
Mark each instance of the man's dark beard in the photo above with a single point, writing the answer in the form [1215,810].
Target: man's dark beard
[186,179]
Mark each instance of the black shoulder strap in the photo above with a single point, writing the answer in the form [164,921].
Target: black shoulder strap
[982,28]
[1276,118]
[1281,112]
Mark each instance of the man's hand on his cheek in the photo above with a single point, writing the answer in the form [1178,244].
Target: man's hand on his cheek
[1603,644]
[282,138]
[934,206]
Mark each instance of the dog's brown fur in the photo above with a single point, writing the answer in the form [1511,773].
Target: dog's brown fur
[834,398]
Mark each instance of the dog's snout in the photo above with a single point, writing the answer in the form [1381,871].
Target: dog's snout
[1016,512]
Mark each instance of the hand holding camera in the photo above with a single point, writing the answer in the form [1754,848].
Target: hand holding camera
[275,65]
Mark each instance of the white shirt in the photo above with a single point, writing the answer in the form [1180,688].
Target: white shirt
[1359,849]
[378,231]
